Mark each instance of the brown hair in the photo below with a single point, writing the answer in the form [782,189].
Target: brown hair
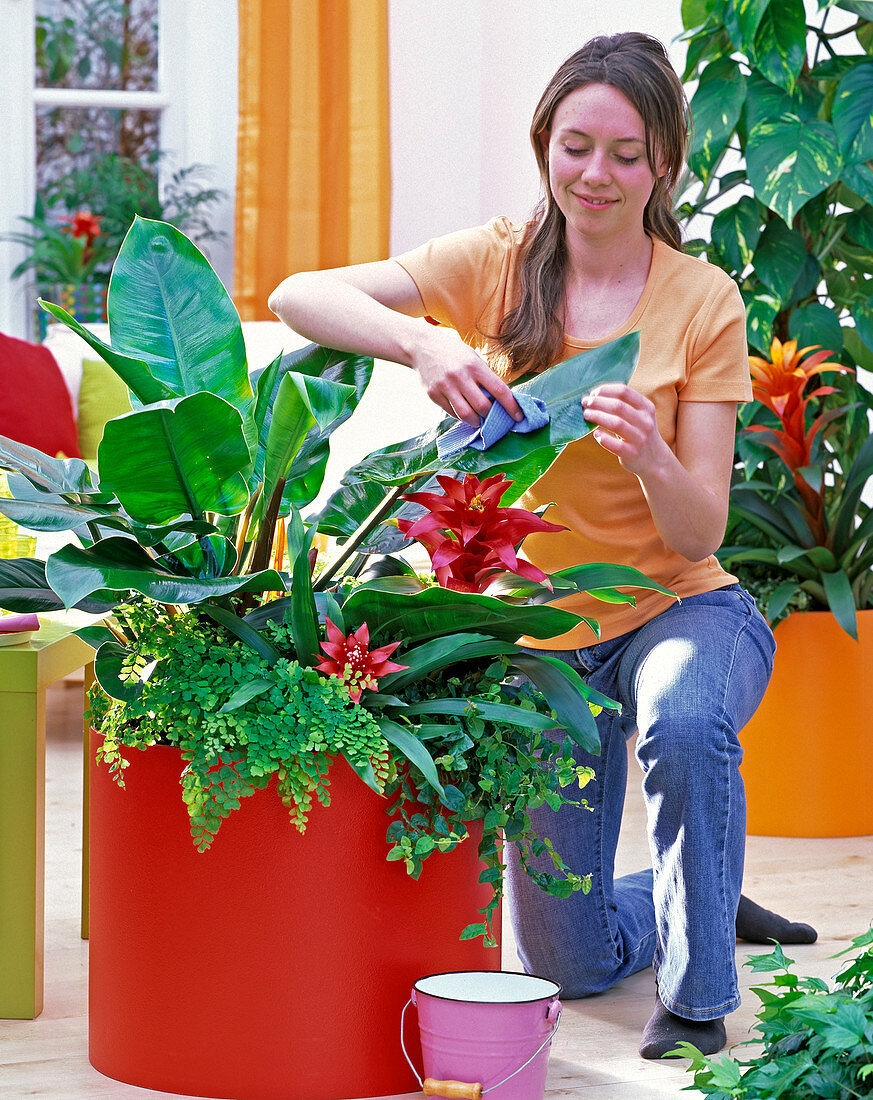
[531,335]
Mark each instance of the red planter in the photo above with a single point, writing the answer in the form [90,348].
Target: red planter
[274,965]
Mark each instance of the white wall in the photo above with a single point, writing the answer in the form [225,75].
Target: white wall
[465,79]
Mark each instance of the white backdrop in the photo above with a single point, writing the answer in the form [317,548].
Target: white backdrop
[465,79]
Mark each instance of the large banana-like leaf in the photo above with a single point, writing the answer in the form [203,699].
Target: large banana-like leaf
[397,616]
[305,479]
[561,387]
[193,448]
[522,458]
[131,369]
[53,475]
[302,403]
[24,588]
[120,565]
[168,307]
[52,515]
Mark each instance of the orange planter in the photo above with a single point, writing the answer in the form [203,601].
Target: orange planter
[274,965]
[808,764]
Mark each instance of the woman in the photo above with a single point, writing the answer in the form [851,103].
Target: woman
[600,257]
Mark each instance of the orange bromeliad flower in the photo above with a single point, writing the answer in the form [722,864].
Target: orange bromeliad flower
[780,384]
[469,536]
[353,663]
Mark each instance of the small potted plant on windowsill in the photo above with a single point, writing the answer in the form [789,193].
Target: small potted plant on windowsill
[233,658]
[800,535]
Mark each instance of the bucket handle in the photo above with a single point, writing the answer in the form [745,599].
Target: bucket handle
[474,1091]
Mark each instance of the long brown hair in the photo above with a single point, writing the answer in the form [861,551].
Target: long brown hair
[531,335]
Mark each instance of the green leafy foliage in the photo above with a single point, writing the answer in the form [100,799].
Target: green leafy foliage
[817,1038]
[782,133]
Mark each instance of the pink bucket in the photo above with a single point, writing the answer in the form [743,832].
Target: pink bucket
[484,1031]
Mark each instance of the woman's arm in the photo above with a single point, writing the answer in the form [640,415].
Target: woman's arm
[687,492]
[376,309]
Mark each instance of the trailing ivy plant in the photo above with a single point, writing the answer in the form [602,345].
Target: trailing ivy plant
[780,195]
[817,1038]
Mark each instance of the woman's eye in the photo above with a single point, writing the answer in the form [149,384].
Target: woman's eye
[627,160]
[573,151]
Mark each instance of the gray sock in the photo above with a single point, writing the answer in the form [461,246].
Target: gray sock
[758,925]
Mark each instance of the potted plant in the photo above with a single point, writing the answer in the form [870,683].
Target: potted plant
[234,658]
[816,1037]
[780,167]
[82,217]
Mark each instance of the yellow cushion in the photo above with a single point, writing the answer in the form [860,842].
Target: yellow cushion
[102,396]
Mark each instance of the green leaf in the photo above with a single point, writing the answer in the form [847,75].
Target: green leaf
[841,601]
[742,19]
[168,308]
[395,616]
[24,588]
[442,653]
[715,108]
[193,448]
[414,751]
[853,114]
[495,712]
[791,161]
[304,617]
[52,515]
[131,369]
[55,475]
[561,387]
[864,8]
[736,231]
[816,324]
[95,635]
[780,254]
[766,102]
[564,690]
[264,382]
[779,49]
[780,599]
[244,694]
[233,624]
[761,310]
[120,565]
[109,673]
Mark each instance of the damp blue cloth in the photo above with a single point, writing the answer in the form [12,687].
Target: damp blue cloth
[494,426]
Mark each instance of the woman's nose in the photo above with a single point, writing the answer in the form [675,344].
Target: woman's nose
[597,167]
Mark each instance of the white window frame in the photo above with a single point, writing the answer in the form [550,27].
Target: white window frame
[196,98]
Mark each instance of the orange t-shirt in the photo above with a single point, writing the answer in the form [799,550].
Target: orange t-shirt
[692,348]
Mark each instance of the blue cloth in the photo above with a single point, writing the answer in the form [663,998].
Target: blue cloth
[494,426]
[688,680]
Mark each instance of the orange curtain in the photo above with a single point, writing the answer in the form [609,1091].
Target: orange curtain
[313,179]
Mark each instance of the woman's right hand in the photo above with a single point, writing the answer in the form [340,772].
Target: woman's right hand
[458,380]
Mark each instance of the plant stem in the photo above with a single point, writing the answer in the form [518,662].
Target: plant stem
[350,547]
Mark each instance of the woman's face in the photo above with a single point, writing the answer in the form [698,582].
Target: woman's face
[599,174]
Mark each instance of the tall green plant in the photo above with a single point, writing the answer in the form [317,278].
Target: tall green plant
[780,183]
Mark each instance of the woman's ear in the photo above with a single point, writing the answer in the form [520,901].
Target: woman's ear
[543,137]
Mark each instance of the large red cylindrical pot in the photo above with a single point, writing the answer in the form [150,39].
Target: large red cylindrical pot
[273,965]
[808,761]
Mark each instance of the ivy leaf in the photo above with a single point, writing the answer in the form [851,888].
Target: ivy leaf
[715,107]
[816,324]
[736,231]
[853,113]
[790,161]
[742,19]
[779,49]
[780,254]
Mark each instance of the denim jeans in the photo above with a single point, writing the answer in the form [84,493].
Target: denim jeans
[688,682]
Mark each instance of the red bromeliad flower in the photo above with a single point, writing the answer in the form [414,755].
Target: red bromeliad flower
[353,663]
[469,536]
[83,224]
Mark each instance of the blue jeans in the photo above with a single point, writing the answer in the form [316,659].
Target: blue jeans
[688,682]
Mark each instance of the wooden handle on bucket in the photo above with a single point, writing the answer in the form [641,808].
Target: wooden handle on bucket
[452,1090]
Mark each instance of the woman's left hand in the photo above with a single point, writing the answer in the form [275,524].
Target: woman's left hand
[626,426]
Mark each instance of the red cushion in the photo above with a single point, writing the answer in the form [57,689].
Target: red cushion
[35,405]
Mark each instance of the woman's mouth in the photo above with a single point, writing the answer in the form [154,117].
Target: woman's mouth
[591,203]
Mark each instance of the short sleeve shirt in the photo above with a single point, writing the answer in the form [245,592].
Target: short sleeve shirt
[691,321]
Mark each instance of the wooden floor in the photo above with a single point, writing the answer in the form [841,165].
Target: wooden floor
[827,882]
